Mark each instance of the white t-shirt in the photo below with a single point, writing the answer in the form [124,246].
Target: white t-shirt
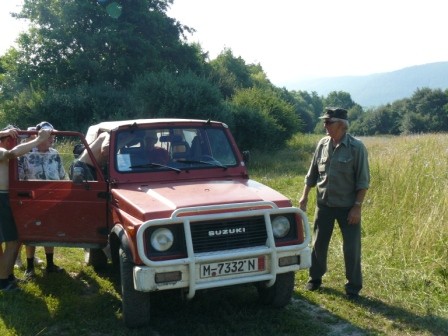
[41,166]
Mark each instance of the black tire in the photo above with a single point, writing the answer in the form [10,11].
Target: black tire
[136,305]
[96,258]
[279,295]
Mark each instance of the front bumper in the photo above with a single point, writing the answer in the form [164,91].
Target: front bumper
[187,271]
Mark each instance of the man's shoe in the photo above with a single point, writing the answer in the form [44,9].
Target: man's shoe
[12,286]
[54,269]
[352,296]
[29,274]
[313,285]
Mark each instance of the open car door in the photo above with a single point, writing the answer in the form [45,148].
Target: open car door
[58,212]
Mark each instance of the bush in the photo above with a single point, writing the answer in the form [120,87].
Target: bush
[267,115]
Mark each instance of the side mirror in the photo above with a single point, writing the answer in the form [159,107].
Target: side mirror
[78,175]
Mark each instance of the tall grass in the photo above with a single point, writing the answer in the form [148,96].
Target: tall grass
[404,227]
[405,221]
[405,264]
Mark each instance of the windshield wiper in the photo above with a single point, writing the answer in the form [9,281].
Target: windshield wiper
[210,163]
[152,164]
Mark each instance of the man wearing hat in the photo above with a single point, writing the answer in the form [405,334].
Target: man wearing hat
[340,172]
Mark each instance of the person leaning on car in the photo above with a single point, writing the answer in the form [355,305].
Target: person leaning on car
[42,163]
[340,172]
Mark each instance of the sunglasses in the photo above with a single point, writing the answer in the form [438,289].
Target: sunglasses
[329,122]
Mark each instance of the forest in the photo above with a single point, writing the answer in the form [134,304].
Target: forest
[82,62]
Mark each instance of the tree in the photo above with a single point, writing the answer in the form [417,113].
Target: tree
[277,120]
[186,95]
[383,120]
[230,73]
[339,99]
[71,42]
[309,107]
[72,46]
[432,105]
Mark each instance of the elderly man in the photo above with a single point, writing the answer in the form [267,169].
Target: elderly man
[340,171]
[8,227]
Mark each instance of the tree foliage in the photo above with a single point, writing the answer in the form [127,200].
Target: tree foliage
[163,94]
[278,120]
[425,111]
[86,61]
[77,57]
[72,42]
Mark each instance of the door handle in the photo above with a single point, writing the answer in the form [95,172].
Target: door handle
[25,194]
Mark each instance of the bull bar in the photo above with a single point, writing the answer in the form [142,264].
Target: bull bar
[144,274]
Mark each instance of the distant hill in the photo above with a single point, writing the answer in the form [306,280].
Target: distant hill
[379,89]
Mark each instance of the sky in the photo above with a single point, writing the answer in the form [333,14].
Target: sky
[294,40]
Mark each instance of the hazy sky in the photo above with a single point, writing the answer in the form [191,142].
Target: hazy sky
[298,39]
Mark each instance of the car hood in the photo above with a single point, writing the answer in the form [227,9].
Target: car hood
[145,202]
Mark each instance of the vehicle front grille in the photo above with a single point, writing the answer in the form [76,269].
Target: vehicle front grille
[228,234]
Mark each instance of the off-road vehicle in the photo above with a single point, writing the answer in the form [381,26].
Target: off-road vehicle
[187,218]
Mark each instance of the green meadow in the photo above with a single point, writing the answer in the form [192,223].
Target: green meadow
[405,264]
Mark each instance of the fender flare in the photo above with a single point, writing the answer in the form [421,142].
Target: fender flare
[118,238]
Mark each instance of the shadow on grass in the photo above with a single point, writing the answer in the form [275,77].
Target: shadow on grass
[402,318]
[60,304]
[237,311]
[23,312]
[86,303]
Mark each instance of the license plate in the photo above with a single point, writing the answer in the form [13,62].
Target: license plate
[232,267]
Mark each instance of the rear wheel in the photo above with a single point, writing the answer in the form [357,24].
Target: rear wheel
[136,305]
[278,295]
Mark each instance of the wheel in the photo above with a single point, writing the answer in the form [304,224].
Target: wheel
[135,304]
[96,258]
[278,295]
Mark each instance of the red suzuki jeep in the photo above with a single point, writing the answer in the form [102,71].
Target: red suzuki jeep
[175,205]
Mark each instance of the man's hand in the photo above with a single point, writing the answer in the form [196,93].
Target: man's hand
[12,132]
[303,203]
[44,134]
[354,215]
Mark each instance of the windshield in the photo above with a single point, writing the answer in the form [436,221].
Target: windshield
[174,148]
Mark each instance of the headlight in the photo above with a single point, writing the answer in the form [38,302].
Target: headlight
[280,226]
[162,239]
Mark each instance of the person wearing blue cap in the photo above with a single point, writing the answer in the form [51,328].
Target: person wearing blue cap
[340,172]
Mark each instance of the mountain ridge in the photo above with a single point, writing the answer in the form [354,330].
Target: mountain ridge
[381,88]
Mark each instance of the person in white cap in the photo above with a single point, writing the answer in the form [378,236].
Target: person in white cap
[42,163]
[37,261]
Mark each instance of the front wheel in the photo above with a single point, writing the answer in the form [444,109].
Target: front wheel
[278,295]
[136,305]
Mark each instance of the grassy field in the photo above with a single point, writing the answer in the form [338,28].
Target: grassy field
[405,264]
